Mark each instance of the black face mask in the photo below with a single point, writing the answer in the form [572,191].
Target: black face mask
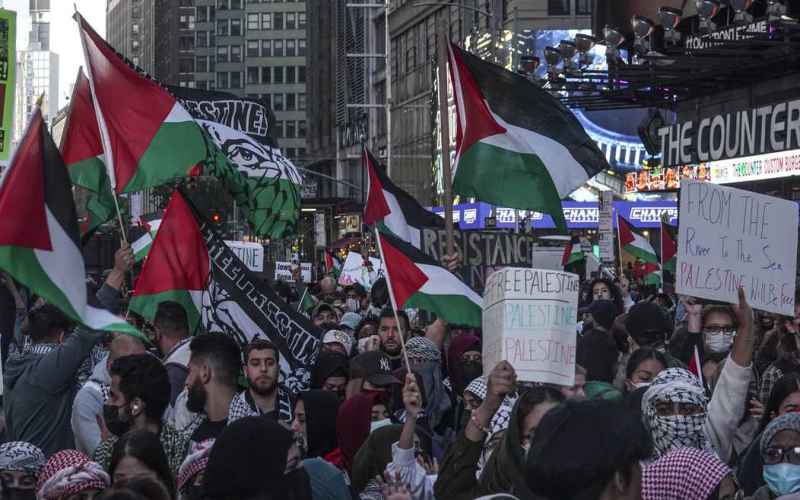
[17,494]
[471,370]
[196,398]
[116,424]
[298,485]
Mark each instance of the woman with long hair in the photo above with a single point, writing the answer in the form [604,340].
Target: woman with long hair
[139,454]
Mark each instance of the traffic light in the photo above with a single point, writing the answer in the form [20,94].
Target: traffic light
[216,217]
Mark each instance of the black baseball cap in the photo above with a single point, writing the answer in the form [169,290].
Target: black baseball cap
[375,367]
[647,322]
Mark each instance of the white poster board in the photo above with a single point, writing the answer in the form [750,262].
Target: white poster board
[729,238]
[305,272]
[354,271]
[529,318]
[251,254]
[283,271]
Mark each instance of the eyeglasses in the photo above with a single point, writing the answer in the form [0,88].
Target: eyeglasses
[774,455]
[719,330]
[670,409]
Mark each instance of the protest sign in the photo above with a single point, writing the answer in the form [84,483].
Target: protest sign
[251,254]
[730,238]
[283,271]
[354,271]
[305,272]
[483,252]
[529,318]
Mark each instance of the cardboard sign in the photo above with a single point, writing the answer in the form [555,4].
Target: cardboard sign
[305,272]
[730,238]
[252,254]
[354,271]
[529,318]
[283,271]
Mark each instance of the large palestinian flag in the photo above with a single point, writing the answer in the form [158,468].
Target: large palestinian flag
[147,136]
[39,235]
[82,150]
[516,145]
[669,246]
[419,281]
[391,207]
[637,245]
[148,228]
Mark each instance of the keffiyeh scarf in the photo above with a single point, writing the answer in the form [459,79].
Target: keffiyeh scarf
[422,349]
[70,472]
[478,387]
[19,456]
[195,462]
[675,385]
[683,473]
[243,405]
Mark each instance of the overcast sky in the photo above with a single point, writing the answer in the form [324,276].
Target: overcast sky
[64,39]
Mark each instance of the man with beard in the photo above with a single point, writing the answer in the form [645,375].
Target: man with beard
[263,396]
[172,338]
[391,336]
[324,317]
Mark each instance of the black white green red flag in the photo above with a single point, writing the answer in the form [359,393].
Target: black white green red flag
[392,208]
[572,252]
[39,235]
[639,246]
[418,281]
[669,246]
[517,146]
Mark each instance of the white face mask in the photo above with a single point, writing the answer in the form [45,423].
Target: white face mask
[719,343]
[374,426]
[639,385]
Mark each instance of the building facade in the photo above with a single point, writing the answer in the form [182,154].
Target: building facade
[130,30]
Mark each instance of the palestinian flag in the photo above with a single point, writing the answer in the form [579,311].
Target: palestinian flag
[669,246]
[572,252]
[147,136]
[391,207]
[141,246]
[39,236]
[82,151]
[332,264]
[516,145]
[418,281]
[634,243]
[177,266]
[652,274]
[307,302]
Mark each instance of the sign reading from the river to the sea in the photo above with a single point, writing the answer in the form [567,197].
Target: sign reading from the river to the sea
[529,318]
[730,238]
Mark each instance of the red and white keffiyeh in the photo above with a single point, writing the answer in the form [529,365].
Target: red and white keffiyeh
[69,472]
[195,462]
[682,474]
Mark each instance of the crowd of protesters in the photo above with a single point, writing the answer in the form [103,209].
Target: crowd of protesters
[673,399]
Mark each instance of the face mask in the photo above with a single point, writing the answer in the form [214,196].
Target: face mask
[116,424]
[353,305]
[679,431]
[782,478]
[719,344]
[373,426]
[471,370]
[196,400]
[638,385]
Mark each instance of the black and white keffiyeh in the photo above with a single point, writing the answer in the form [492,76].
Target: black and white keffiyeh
[243,405]
[478,387]
[422,349]
[19,456]
[675,385]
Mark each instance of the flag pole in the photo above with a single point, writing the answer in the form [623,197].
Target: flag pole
[619,246]
[444,127]
[393,301]
[300,304]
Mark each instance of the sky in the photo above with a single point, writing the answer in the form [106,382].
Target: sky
[64,39]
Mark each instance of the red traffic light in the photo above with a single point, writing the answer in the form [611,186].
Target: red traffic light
[216,218]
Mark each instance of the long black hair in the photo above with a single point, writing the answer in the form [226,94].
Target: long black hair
[641,355]
[616,294]
[146,447]
[789,383]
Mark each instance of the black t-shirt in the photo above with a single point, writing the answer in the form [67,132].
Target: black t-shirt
[208,430]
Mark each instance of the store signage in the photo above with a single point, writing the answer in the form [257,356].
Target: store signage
[755,131]
[754,168]
[664,179]
[727,34]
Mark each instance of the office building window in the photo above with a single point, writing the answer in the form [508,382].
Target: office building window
[301,20]
[186,43]
[222,27]
[222,53]
[266,74]
[291,129]
[583,7]
[252,22]
[291,102]
[266,48]
[277,104]
[277,48]
[558,7]
[135,28]
[278,24]
[301,129]
[291,20]
[290,48]
[301,102]
[222,4]
[277,74]
[236,53]
[222,80]
[186,22]
[201,84]
[236,27]
[135,60]
[201,64]
[278,124]
[186,65]
[236,4]
[201,39]
[301,74]
[267,98]
[252,48]
[290,153]
[290,74]
[252,74]
[301,47]
[266,21]
[202,14]
[236,79]
[301,153]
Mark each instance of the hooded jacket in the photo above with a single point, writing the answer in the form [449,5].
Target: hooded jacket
[321,409]
[87,406]
[458,346]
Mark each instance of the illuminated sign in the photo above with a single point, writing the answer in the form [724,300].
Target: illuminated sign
[754,168]
[653,215]
[727,34]
[664,179]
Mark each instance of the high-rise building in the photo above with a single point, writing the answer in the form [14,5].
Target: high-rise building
[130,30]
[37,71]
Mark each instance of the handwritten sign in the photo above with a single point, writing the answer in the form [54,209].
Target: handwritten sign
[354,271]
[529,318]
[283,271]
[305,272]
[730,238]
[252,254]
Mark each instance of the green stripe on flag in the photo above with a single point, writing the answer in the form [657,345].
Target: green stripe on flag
[147,305]
[457,309]
[641,253]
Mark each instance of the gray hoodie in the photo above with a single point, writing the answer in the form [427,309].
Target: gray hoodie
[87,406]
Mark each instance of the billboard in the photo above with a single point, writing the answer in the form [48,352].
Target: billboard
[8,78]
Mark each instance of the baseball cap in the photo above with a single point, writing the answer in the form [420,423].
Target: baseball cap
[647,321]
[338,337]
[376,368]
[350,320]
[603,312]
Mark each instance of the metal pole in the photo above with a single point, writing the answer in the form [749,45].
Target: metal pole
[388,72]
[444,126]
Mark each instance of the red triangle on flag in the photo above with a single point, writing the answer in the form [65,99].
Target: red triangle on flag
[81,139]
[669,247]
[626,236]
[376,208]
[23,220]
[405,276]
[178,258]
